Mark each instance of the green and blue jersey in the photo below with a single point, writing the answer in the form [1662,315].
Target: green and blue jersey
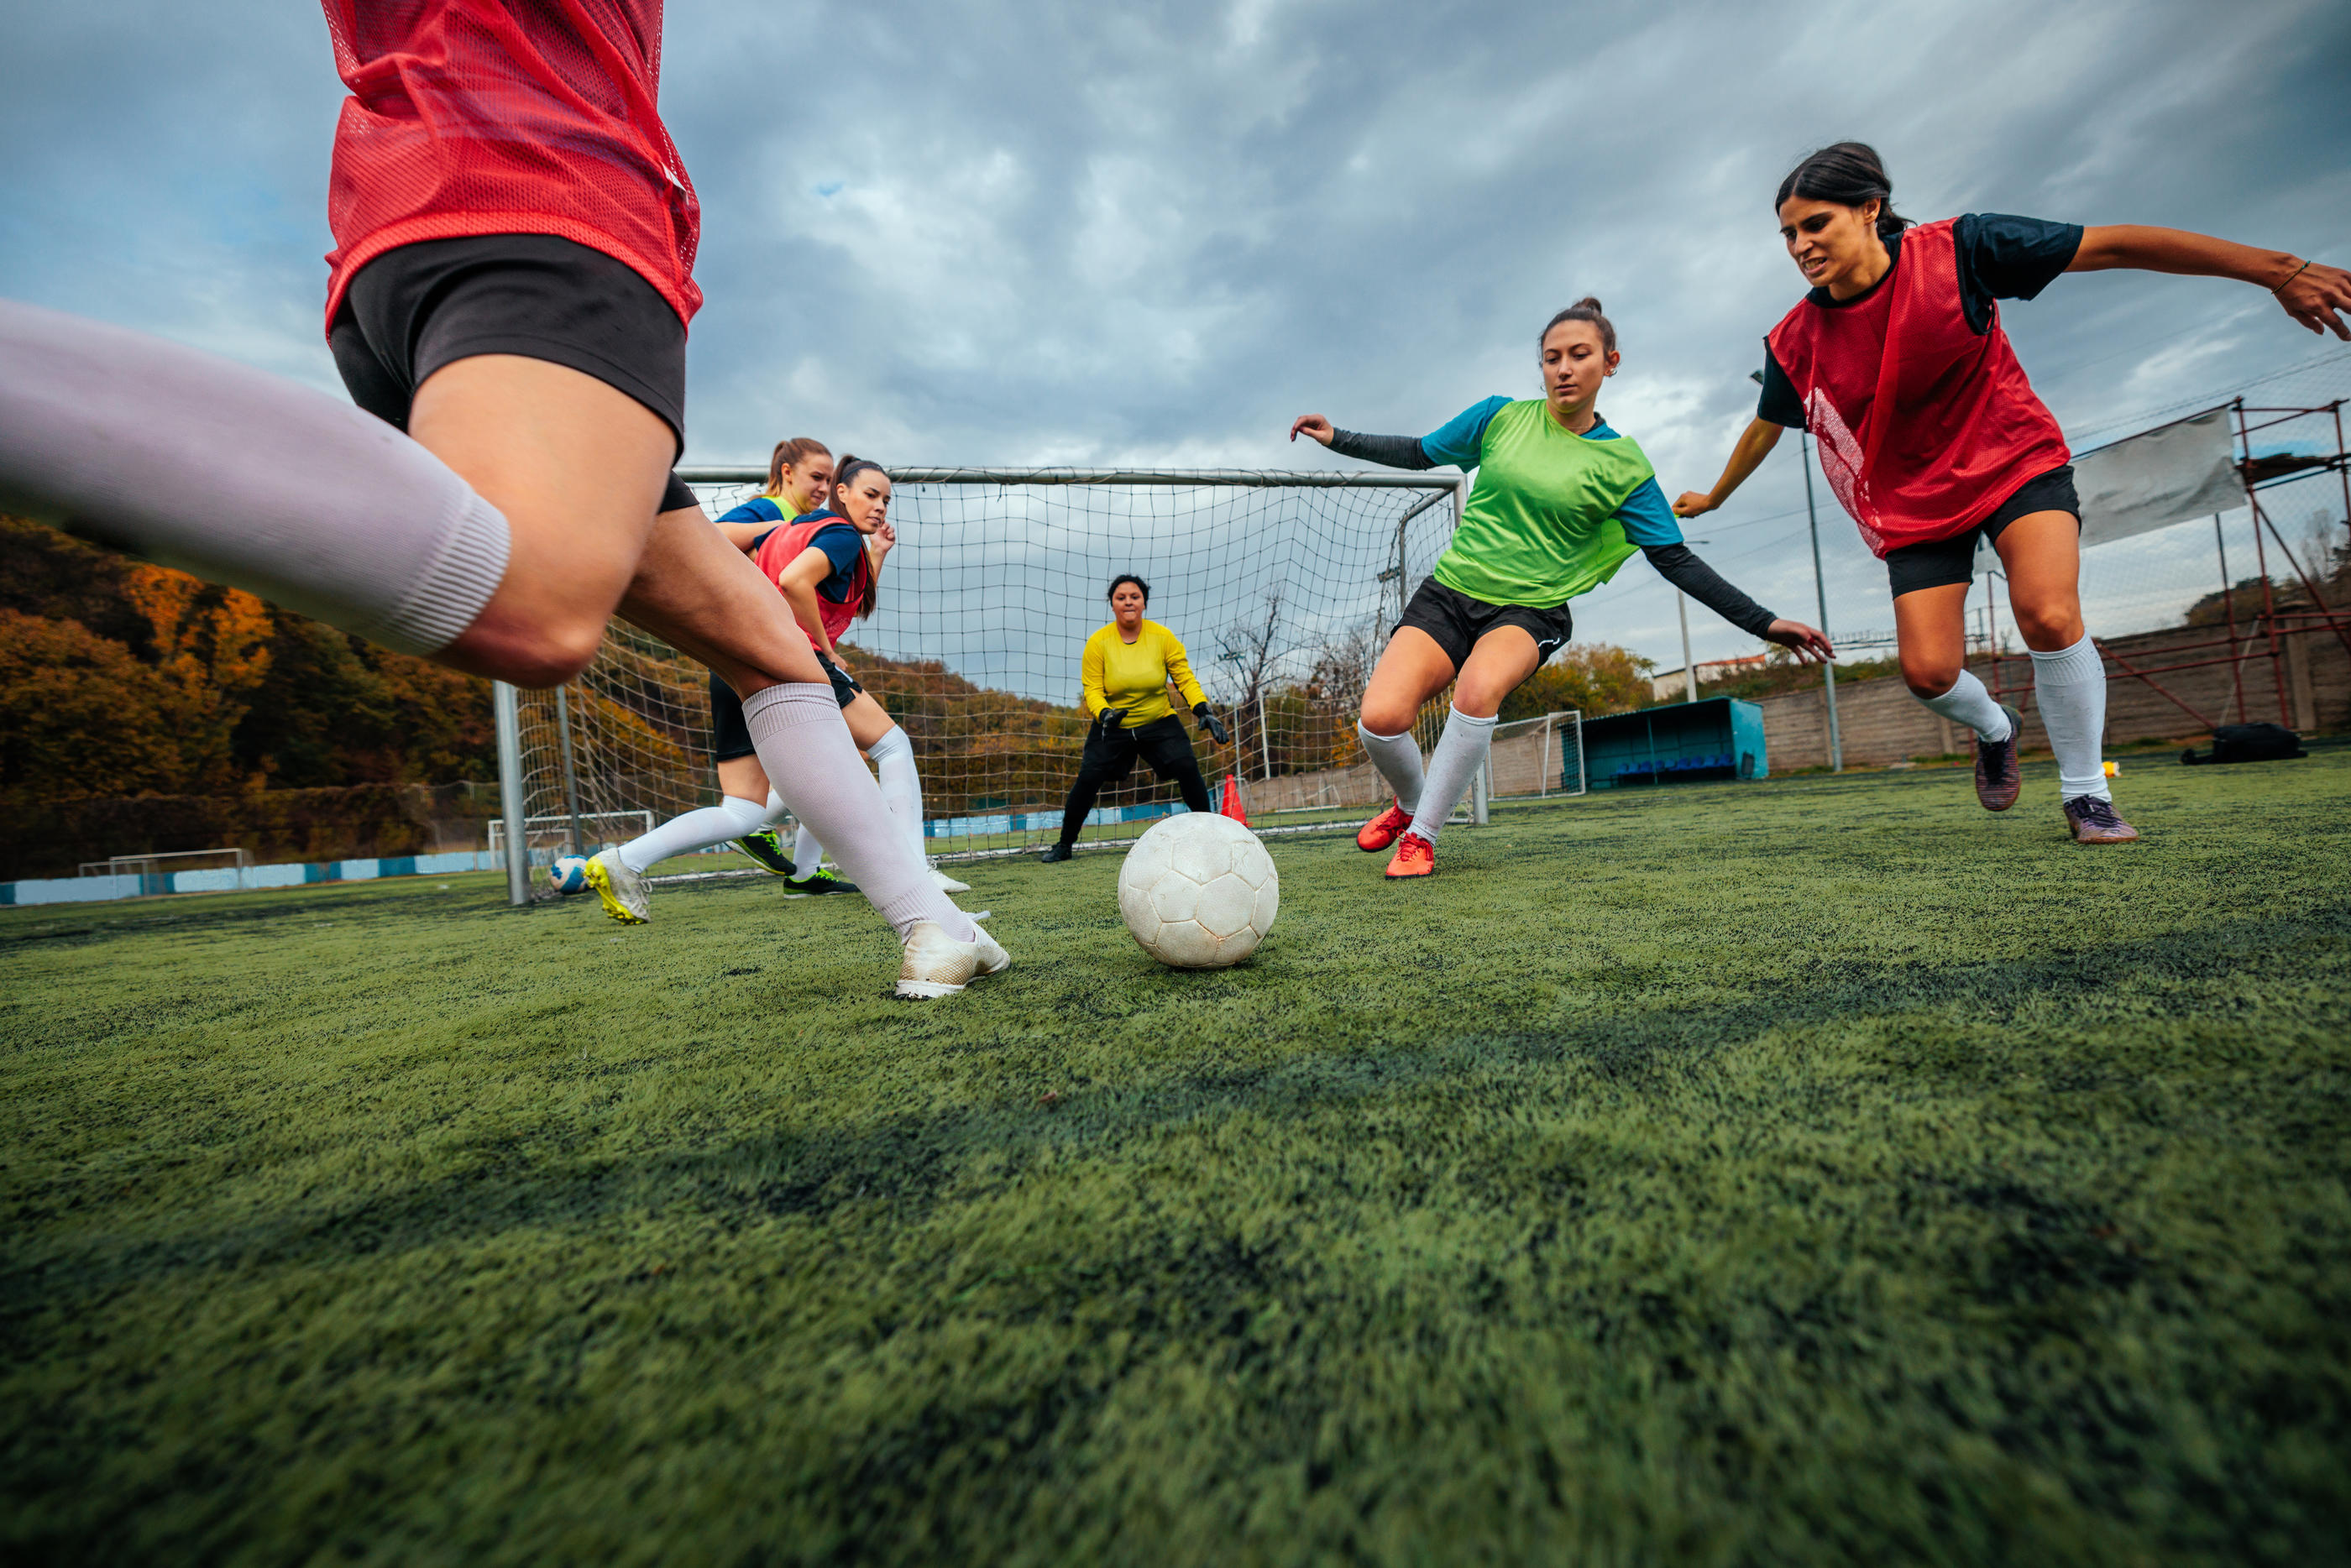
[1553,513]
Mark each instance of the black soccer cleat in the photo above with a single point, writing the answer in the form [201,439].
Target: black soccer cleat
[768,850]
[1054,853]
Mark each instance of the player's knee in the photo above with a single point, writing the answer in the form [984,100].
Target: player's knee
[1386,718]
[1930,677]
[2049,626]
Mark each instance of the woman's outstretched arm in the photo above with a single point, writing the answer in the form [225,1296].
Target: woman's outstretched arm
[1393,451]
[1754,446]
[1679,565]
[2311,292]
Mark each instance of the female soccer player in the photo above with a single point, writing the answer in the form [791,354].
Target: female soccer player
[1126,669]
[1561,502]
[828,565]
[510,287]
[1932,438]
[798,474]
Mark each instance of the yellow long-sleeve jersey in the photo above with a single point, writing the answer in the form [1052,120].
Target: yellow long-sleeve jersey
[1134,675]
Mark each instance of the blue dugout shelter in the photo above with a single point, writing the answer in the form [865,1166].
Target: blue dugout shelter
[1718,739]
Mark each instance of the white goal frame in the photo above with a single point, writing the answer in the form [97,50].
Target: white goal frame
[1434,490]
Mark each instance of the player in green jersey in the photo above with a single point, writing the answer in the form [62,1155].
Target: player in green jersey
[1561,502]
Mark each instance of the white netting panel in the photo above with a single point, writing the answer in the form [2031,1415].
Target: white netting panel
[1282,593]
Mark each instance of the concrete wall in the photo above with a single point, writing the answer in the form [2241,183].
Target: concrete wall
[1881,722]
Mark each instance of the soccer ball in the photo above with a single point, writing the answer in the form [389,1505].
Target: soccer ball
[568,875]
[1198,891]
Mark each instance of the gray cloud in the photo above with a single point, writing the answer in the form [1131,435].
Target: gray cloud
[1066,233]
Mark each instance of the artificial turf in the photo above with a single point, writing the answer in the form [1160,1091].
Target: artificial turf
[1810,1172]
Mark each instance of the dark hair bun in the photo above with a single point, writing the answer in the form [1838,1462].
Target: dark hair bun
[1587,302]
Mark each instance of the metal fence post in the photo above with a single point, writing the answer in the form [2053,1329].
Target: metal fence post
[506,703]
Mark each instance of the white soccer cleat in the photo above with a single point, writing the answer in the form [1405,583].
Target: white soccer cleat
[621,890]
[936,965]
[948,883]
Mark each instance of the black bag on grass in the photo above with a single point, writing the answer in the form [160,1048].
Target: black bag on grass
[2249,744]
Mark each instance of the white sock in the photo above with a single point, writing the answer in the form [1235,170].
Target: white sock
[2071,687]
[806,853]
[776,809]
[730,820]
[1459,750]
[1398,757]
[804,744]
[241,478]
[902,785]
[1968,703]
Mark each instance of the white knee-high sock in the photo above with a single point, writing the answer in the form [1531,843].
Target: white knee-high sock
[804,744]
[1459,750]
[2071,687]
[721,824]
[902,785]
[241,478]
[806,853]
[775,811]
[1398,757]
[1968,703]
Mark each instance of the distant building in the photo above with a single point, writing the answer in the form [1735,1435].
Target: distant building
[1672,682]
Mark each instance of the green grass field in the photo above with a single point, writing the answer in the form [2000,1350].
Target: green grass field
[1806,1172]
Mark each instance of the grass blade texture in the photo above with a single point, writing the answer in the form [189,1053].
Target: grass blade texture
[1815,1171]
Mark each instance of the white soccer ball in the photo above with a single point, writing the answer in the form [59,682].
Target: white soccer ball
[1198,891]
[569,875]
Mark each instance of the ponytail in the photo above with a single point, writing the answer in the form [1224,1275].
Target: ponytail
[792,454]
[1585,309]
[846,474]
[1851,174]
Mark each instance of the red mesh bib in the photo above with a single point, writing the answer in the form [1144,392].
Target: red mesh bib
[786,545]
[1923,426]
[468,116]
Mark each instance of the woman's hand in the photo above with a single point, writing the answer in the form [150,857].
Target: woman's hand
[1314,425]
[884,539]
[1214,725]
[1809,644]
[2315,295]
[1692,503]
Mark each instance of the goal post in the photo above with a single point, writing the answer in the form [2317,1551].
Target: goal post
[1283,587]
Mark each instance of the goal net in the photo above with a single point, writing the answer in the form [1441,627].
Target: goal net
[1283,587]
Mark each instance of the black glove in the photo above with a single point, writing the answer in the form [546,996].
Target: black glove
[1110,721]
[1214,725]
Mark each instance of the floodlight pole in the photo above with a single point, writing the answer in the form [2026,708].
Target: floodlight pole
[507,705]
[1689,670]
[1821,590]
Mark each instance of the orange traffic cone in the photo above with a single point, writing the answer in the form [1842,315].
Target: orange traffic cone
[1232,806]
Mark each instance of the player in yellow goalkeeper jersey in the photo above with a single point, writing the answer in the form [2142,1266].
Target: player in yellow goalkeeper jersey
[1128,668]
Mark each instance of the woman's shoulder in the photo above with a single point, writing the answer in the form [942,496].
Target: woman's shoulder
[759,509]
[1160,630]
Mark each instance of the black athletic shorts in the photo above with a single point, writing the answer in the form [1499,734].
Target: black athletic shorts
[1457,621]
[1940,563]
[730,734]
[1162,743]
[416,308]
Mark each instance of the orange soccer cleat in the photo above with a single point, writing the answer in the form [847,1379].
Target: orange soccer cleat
[1381,831]
[1415,857]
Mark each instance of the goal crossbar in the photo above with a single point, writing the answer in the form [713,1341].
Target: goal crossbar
[1203,478]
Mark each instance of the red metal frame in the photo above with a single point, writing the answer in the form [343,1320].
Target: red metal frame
[2270,624]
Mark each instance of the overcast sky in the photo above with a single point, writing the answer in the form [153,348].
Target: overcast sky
[1052,233]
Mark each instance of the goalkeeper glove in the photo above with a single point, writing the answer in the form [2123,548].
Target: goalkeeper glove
[1211,723]
[1110,721]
